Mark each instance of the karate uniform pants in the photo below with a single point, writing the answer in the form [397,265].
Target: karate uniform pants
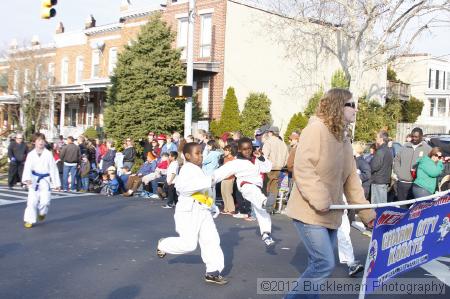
[196,226]
[253,194]
[37,202]
[345,247]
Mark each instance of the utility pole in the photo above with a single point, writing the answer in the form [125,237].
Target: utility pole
[189,68]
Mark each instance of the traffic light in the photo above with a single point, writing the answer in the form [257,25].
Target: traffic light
[180,91]
[48,11]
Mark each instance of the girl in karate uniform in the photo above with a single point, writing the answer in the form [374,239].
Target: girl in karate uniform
[248,168]
[40,174]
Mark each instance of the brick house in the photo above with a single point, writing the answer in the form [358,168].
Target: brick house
[232,47]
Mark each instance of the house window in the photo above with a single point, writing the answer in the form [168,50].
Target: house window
[205,97]
[16,81]
[95,64]
[38,73]
[182,36]
[448,80]
[441,107]
[73,116]
[443,81]
[437,80]
[51,73]
[26,80]
[432,106]
[431,79]
[206,35]
[65,71]
[90,115]
[112,60]
[80,68]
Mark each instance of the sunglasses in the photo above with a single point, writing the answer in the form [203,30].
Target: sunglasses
[350,104]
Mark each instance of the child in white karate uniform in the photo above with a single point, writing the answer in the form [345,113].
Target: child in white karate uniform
[41,175]
[193,219]
[248,168]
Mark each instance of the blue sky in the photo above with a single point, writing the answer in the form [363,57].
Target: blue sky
[21,20]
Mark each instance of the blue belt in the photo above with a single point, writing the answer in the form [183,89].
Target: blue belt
[40,177]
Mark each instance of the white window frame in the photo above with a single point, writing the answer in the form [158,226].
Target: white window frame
[205,96]
[433,108]
[90,115]
[182,35]
[65,71]
[51,73]
[441,110]
[16,80]
[206,35]
[95,70]
[112,60]
[79,69]
[26,79]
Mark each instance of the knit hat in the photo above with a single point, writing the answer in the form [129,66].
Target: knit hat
[161,137]
[111,168]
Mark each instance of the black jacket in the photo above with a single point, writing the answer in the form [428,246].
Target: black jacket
[129,154]
[70,153]
[381,165]
[365,174]
[17,152]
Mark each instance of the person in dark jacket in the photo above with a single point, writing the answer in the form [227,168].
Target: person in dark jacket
[70,155]
[129,154]
[147,145]
[108,158]
[381,166]
[363,167]
[17,154]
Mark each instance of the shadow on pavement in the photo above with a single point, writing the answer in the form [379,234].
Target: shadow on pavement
[128,292]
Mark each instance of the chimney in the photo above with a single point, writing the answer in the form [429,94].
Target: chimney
[89,23]
[60,28]
[125,5]
[35,40]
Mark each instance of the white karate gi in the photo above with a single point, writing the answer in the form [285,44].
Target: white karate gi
[193,221]
[245,171]
[39,200]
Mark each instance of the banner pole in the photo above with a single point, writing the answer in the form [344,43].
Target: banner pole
[362,291]
[387,204]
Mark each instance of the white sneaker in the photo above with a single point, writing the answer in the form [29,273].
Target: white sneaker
[154,196]
[239,215]
[267,239]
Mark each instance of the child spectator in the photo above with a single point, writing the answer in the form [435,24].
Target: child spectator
[172,172]
[158,176]
[123,178]
[111,183]
[85,168]
[226,187]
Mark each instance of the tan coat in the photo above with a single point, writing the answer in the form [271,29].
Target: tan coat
[324,169]
[276,151]
[291,157]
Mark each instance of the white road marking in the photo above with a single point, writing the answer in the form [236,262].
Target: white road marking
[438,270]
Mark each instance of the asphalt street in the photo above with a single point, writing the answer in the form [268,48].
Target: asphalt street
[104,247]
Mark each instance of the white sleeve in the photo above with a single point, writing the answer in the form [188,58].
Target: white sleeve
[192,179]
[224,171]
[26,175]
[264,167]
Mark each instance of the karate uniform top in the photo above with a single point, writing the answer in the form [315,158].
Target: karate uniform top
[43,164]
[190,180]
[244,171]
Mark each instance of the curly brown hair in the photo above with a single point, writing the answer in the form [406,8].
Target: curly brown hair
[331,111]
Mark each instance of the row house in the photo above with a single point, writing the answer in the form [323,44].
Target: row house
[429,78]
[233,46]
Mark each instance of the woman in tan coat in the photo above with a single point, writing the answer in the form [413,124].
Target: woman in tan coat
[325,170]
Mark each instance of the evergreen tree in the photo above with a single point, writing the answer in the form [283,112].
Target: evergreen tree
[256,113]
[313,103]
[339,80]
[298,122]
[138,99]
[411,110]
[229,118]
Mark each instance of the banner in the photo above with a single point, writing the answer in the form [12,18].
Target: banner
[404,239]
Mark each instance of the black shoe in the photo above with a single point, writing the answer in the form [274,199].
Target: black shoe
[10,188]
[215,278]
[161,254]
[355,269]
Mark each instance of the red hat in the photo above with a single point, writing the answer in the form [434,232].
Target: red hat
[225,136]
[161,137]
